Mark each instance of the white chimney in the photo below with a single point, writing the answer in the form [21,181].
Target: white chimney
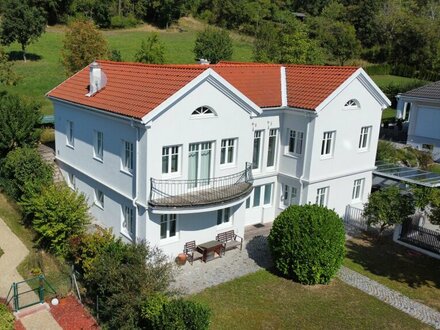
[97,79]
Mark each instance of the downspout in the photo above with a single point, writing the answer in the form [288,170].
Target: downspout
[135,198]
[301,181]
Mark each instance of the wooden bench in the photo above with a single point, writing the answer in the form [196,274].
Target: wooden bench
[230,240]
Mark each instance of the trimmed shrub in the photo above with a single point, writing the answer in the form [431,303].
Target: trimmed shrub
[307,243]
[57,214]
[152,310]
[182,314]
[24,169]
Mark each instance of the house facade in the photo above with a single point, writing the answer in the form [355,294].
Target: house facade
[421,108]
[175,153]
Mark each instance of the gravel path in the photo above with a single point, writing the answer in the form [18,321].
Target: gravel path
[391,297]
[256,255]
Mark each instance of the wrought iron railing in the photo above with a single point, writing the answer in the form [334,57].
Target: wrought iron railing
[199,192]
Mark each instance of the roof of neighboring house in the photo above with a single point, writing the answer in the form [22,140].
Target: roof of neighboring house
[430,91]
[135,89]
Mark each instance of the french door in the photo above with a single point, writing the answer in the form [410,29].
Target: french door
[199,164]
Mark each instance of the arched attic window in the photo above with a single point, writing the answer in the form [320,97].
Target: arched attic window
[203,111]
[352,104]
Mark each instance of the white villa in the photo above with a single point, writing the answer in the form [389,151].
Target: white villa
[175,153]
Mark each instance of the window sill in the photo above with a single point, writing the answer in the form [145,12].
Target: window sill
[294,156]
[227,166]
[224,225]
[172,175]
[363,150]
[98,159]
[126,235]
[98,206]
[325,157]
[70,146]
[169,240]
[122,170]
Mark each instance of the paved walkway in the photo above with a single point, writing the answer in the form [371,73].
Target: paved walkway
[256,255]
[14,253]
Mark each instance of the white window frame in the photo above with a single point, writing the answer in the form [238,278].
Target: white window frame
[364,138]
[167,219]
[128,223]
[127,159]
[70,139]
[288,195]
[358,190]
[98,145]
[258,204]
[99,198]
[224,217]
[273,135]
[328,144]
[228,151]
[258,134]
[352,104]
[322,196]
[175,150]
[203,112]
[268,186]
[295,142]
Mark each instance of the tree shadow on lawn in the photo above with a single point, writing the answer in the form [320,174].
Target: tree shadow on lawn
[386,258]
[18,56]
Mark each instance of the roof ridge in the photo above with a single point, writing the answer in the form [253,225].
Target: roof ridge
[168,66]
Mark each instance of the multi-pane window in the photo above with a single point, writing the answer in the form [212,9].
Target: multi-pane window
[127,156]
[351,104]
[327,143]
[168,226]
[170,159]
[258,135]
[69,133]
[128,221]
[296,140]
[223,216]
[227,151]
[364,138]
[99,198]
[71,181]
[357,189]
[271,148]
[203,111]
[268,194]
[321,196]
[257,196]
[289,195]
[98,144]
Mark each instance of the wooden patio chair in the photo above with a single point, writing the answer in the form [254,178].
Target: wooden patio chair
[191,252]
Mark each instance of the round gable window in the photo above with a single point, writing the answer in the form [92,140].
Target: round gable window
[352,104]
[203,111]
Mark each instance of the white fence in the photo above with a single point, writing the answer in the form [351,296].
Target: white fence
[353,219]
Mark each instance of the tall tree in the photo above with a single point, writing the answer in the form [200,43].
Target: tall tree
[151,51]
[286,43]
[18,123]
[83,43]
[7,73]
[22,22]
[214,45]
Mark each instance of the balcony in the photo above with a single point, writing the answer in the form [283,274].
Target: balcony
[175,194]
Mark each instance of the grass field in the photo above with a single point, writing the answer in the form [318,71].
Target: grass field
[385,80]
[413,274]
[44,70]
[54,269]
[265,301]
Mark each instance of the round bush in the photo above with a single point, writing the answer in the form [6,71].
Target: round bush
[307,243]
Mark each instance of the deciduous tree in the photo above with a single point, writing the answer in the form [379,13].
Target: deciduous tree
[21,22]
[152,51]
[83,43]
[213,45]
[7,74]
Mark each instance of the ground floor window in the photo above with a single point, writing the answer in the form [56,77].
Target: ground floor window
[99,198]
[289,195]
[322,196]
[128,220]
[357,190]
[223,216]
[262,195]
[268,194]
[168,226]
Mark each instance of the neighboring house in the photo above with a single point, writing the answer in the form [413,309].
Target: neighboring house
[421,108]
[174,153]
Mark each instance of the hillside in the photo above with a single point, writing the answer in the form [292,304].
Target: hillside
[44,70]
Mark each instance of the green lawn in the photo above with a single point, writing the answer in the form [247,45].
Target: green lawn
[265,301]
[44,70]
[385,80]
[388,114]
[413,274]
[55,270]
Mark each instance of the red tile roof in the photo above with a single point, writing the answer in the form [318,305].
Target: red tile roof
[135,89]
